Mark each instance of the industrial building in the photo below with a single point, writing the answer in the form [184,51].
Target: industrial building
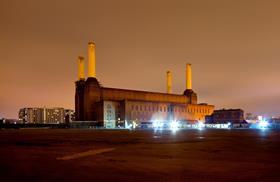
[45,115]
[234,116]
[115,107]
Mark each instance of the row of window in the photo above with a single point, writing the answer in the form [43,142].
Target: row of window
[169,109]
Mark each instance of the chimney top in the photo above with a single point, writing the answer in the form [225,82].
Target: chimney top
[81,57]
[91,43]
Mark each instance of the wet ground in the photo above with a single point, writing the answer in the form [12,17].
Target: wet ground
[122,155]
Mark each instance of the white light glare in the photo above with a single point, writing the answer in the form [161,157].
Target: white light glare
[128,126]
[263,124]
[200,125]
[229,124]
[134,125]
[157,124]
[174,125]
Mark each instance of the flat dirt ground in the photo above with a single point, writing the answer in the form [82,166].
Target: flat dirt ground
[141,155]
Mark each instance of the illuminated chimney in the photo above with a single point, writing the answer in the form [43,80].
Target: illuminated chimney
[81,68]
[189,76]
[91,60]
[169,82]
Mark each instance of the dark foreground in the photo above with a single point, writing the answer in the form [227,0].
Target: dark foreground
[190,155]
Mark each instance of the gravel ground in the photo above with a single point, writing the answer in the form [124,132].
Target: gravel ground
[123,155]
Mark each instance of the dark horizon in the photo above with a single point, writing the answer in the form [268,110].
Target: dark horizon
[233,48]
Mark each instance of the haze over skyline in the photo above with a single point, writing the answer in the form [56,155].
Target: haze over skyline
[234,48]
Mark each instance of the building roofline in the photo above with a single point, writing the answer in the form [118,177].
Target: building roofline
[143,91]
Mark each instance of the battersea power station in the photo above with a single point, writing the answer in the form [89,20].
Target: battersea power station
[115,107]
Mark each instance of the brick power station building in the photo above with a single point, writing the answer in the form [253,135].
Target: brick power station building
[111,107]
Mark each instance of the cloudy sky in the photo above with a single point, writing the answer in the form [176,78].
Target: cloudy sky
[233,45]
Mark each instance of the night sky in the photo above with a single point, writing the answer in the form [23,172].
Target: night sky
[233,45]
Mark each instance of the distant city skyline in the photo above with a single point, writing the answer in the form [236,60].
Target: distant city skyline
[234,48]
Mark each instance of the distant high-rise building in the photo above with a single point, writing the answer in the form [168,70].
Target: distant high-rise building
[53,115]
[69,115]
[45,115]
[31,115]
